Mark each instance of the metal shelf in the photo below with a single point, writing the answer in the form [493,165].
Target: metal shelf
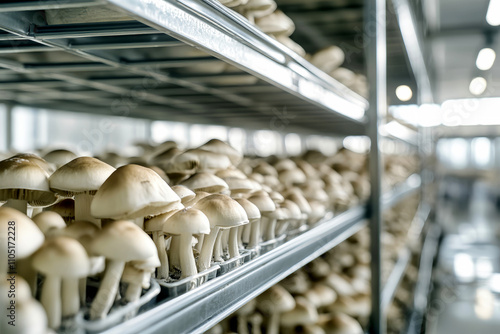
[202,308]
[414,233]
[112,60]
[422,289]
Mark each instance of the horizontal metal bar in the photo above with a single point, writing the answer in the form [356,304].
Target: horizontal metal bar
[200,309]
[92,30]
[47,4]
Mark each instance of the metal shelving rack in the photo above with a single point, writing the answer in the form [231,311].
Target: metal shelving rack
[106,62]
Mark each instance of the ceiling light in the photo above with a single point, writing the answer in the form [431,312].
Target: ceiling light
[478,85]
[493,14]
[485,59]
[404,93]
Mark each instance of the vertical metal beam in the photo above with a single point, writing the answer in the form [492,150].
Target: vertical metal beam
[9,127]
[376,55]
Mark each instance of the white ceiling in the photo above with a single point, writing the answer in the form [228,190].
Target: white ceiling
[456,34]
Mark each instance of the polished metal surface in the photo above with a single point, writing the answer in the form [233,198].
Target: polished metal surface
[80,54]
[202,308]
[376,55]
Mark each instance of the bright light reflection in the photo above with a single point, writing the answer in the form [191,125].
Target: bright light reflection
[485,59]
[484,268]
[478,86]
[493,13]
[463,266]
[484,304]
[404,93]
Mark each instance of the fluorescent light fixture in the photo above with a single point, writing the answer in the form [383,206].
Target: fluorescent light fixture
[478,86]
[493,13]
[485,59]
[404,93]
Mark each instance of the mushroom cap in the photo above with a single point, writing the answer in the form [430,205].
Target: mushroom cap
[59,157]
[155,224]
[23,291]
[264,169]
[307,168]
[198,195]
[292,176]
[251,209]
[304,313]
[345,304]
[22,174]
[30,318]
[148,264]
[231,173]
[321,295]
[65,208]
[184,193]
[263,202]
[160,172]
[182,162]
[47,167]
[318,211]
[187,221]
[293,209]
[301,201]
[131,192]
[210,161]
[48,220]
[275,299]
[205,182]
[340,285]
[62,256]
[122,240]
[341,323]
[80,229]
[276,197]
[220,147]
[222,211]
[284,164]
[297,282]
[240,185]
[28,236]
[281,213]
[80,175]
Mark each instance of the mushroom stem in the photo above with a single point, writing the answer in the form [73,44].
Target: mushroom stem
[133,292]
[205,258]
[18,204]
[273,324]
[174,257]
[254,233]
[26,270]
[198,246]
[70,297]
[82,209]
[82,290]
[159,240]
[245,234]
[243,324]
[188,265]
[36,210]
[138,221]
[233,242]
[270,228]
[218,248]
[51,300]
[107,290]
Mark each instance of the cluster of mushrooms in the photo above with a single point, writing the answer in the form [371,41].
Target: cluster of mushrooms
[397,168]
[171,214]
[265,15]
[394,238]
[330,295]
[168,214]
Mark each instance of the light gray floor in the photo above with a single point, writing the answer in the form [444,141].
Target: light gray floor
[467,277]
